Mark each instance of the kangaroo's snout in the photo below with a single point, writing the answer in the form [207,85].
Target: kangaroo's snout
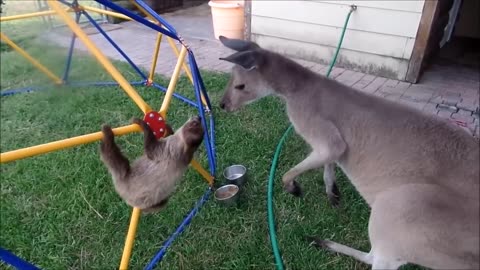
[225,103]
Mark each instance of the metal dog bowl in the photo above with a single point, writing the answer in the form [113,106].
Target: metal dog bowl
[235,174]
[227,194]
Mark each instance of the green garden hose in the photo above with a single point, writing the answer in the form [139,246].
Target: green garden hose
[271,177]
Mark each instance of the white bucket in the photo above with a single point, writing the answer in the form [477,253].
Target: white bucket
[228,18]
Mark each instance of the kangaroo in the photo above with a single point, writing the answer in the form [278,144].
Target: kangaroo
[150,181]
[418,173]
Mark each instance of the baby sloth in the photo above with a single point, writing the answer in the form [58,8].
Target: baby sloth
[150,180]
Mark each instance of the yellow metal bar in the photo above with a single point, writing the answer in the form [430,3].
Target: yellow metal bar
[173,83]
[177,53]
[202,172]
[100,57]
[155,56]
[186,69]
[132,230]
[62,144]
[32,60]
[106,12]
[29,15]
[174,48]
[143,11]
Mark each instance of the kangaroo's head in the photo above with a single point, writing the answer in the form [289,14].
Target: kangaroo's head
[246,83]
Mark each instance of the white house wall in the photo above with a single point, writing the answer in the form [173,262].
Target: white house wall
[379,38]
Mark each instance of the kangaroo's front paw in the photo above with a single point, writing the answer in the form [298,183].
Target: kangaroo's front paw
[334,196]
[293,188]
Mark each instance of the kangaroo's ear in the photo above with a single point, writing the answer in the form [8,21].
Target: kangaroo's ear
[248,59]
[238,45]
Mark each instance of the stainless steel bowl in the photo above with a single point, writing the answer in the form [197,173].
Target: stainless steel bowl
[235,174]
[227,194]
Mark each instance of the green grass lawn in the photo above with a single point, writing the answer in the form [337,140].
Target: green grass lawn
[60,211]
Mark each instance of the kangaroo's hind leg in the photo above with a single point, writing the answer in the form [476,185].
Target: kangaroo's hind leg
[339,248]
[111,155]
[427,225]
[376,260]
[331,187]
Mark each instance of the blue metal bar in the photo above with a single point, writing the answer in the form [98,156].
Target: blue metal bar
[156,16]
[137,18]
[199,84]
[15,261]
[208,146]
[202,84]
[182,98]
[20,90]
[194,68]
[161,253]
[210,155]
[70,50]
[204,121]
[212,136]
[94,23]
[198,87]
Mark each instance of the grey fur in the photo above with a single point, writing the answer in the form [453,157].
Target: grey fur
[151,179]
[418,173]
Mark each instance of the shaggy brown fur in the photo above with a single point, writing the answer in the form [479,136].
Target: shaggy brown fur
[150,180]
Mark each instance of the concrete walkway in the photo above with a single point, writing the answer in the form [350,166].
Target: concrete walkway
[447,91]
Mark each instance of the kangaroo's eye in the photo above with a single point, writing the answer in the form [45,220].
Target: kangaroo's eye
[240,86]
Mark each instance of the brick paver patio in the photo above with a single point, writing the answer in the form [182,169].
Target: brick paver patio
[449,92]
